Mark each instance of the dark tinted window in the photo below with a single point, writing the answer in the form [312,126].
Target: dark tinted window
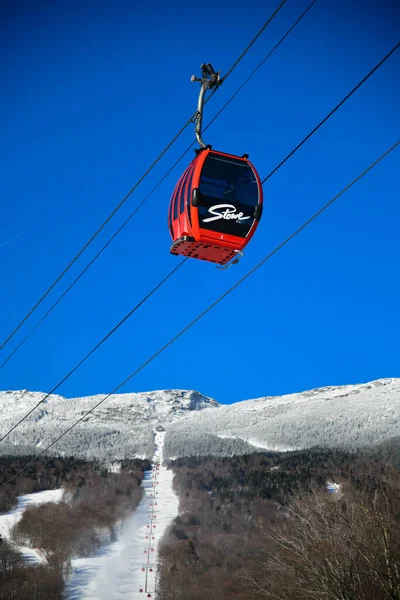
[189,193]
[229,179]
[186,180]
[229,194]
[177,198]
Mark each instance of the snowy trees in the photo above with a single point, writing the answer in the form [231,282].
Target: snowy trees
[182,442]
[122,427]
[94,441]
[348,417]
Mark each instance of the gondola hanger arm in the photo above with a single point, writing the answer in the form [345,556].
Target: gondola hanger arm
[210,80]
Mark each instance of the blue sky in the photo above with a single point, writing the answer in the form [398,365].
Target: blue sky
[93,91]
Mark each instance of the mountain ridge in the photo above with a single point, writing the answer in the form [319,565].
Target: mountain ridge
[347,416]
[121,427]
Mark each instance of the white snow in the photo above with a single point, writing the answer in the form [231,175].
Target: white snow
[8,520]
[122,426]
[123,568]
[348,416]
[276,448]
[115,467]
[252,442]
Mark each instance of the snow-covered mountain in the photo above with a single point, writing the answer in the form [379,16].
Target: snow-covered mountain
[120,427]
[350,416]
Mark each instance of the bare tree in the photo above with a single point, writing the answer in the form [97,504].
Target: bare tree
[334,547]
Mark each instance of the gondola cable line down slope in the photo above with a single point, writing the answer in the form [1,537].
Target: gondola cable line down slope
[128,567]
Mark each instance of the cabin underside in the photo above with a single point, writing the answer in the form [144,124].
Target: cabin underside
[187,246]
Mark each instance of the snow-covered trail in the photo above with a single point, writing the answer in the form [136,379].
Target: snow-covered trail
[126,569]
[8,520]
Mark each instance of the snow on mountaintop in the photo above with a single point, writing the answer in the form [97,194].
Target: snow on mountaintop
[348,416]
[120,427]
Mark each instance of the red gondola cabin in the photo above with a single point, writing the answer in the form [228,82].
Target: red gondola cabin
[215,207]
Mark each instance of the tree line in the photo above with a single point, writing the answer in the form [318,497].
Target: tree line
[264,526]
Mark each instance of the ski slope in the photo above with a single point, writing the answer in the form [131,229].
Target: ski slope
[8,520]
[126,569]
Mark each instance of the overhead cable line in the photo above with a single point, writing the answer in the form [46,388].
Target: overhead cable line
[84,359]
[133,213]
[239,282]
[380,63]
[188,122]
